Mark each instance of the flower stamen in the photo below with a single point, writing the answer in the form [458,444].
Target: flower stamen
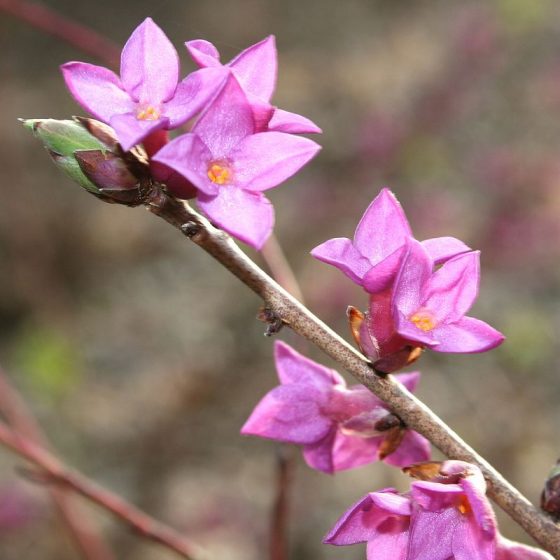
[219,173]
[424,320]
[148,113]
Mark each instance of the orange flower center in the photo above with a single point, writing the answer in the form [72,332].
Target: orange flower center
[219,173]
[148,113]
[424,320]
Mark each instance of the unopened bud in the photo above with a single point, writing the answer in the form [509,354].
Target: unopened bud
[88,152]
[550,497]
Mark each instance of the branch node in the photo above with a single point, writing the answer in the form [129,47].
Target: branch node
[190,229]
[273,320]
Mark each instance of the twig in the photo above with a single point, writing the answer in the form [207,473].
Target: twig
[80,36]
[79,525]
[52,470]
[412,411]
[282,272]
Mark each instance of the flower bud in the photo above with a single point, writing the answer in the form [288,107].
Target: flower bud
[550,498]
[88,152]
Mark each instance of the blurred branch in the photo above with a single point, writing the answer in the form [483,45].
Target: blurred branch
[413,412]
[282,272]
[51,470]
[80,36]
[85,534]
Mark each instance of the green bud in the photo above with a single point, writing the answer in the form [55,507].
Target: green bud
[88,152]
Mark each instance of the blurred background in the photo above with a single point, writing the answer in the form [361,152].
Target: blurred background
[141,357]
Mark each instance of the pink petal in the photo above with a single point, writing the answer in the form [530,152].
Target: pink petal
[98,90]
[319,455]
[189,156]
[204,53]
[256,68]
[453,288]
[245,215]
[413,449]
[192,94]
[509,550]
[441,249]
[382,274]
[284,121]
[266,159]
[409,331]
[409,380]
[382,229]
[149,64]
[350,451]
[475,490]
[413,276]
[389,546]
[467,335]
[227,120]
[431,534]
[340,252]
[470,543]
[289,413]
[367,519]
[293,367]
[131,131]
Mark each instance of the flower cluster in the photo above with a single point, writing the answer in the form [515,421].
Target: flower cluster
[419,292]
[339,427]
[444,516]
[239,146]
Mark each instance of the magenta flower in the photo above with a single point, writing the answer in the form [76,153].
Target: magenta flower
[231,165]
[446,517]
[255,69]
[339,427]
[429,307]
[373,257]
[148,95]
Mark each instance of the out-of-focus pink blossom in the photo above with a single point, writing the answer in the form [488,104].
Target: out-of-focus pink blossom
[339,427]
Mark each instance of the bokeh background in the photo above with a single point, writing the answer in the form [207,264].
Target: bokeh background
[141,357]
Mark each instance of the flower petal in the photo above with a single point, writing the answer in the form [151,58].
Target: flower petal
[98,90]
[245,215]
[414,274]
[227,120]
[189,156]
[285,121]
[149,64]
[131,131]
[442,249]
[453,288]
[192,94]
[204,53]
[319,455]
[289,413]
[266,159]
[382,229]
[340,252]
[467,335]
[350,451]
[381,275]
[293,367]
[367,519]
[409,331]
[256,68]
[413,449]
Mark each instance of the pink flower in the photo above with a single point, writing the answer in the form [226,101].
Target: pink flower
[148,95]
[231,165]
[372,259]
[255,69]
[339,427]
[429,307]
[445,517]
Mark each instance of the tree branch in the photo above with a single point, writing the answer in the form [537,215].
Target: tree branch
[80,526]
[51,470]
[412,411]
